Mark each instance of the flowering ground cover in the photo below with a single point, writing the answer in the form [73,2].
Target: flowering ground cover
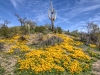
[65,58]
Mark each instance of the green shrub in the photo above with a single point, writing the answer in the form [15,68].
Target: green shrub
[1,45]
[2,70]
[58,30]
[4,31]
[39,29]
[21,38]
[75,33]
[51,41]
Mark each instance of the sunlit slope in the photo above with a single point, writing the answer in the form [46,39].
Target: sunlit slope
[63,58]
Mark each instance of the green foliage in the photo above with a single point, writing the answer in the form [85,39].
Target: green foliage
[1,45]
[52,40]
[39,29]
[48,42]
[29,26]
[4,31]
[92,36]
[14,30]
[21,38]
[23,30]
[66,32]
[74,33]
[58,30]
[2,70]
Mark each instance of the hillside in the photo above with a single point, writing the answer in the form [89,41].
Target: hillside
[50,54]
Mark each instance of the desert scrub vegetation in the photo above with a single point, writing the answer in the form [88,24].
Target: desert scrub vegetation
[2,70]
[59,59]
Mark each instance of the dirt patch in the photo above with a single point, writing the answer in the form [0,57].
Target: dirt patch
[8,63]
[96,67]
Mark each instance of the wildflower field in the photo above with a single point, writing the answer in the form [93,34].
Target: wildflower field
[65,58]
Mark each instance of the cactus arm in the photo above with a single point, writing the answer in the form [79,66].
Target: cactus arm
[55,16]
[28,28]
[51,7]
[49,14]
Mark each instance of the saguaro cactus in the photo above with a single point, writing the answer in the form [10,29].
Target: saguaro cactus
[52,15]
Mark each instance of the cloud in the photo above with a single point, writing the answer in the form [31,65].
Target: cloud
[37,9]
[79,7]
[62,20]
[80,10]
[78,25]
[15,3]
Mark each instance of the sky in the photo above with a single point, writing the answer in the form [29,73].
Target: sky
[71,14]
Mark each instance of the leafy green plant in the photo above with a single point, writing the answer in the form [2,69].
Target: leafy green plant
[57,30]
[4,31]
[39,29]
[2,70]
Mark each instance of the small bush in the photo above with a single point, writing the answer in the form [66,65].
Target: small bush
[51,41]
[2,70]
[21,38]
[1,45]
[75,33]
[58,30]
[4,31]
[39,29]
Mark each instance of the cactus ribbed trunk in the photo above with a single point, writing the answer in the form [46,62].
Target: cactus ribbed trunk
[52,22]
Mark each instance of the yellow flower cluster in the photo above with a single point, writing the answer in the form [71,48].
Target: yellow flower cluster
[1,40]
[41,61]
[21,48]
[78,54]
[92,45]
[78,43]
[75,67]
[10,51]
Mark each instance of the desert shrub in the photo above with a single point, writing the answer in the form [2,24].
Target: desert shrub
[92,34]
[47,29]
[38,39]
[75,33]
[23,30]
[1,45]
[4,31]
[40,36]
[58,30]
[14,30]
[51,41]
[67,32]
[2,70]
[21,38]
[39,42]
[39,29]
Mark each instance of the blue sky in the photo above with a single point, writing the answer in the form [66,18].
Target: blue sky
[71,14]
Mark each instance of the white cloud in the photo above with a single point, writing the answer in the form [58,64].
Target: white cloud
[79,26]
[79,8]
[16,3]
